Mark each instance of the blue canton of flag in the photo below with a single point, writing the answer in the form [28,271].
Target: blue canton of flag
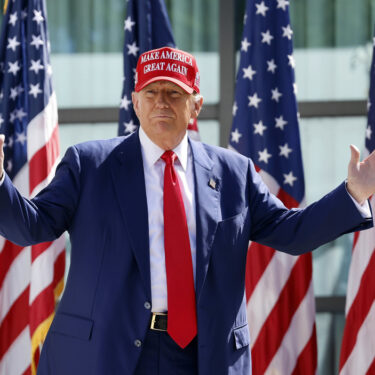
[146,27]
[265,123]
[25,77]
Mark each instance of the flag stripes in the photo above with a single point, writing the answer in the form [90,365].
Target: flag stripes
[358,344]
[281,316]
[279,289]
[31,278]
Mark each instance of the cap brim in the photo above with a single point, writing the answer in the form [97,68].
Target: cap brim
[184,86]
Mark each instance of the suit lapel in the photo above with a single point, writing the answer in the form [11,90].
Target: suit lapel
[129,182]
[207,198]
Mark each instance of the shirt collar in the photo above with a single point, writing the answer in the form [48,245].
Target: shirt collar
[152,152]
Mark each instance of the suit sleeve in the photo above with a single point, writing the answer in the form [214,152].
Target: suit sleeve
[49,214]
[297,231]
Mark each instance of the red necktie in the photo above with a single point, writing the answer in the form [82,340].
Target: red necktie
[182,318]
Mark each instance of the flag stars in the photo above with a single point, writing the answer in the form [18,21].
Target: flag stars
[234,109]
[280,122]
[35,90]
[125,102]
[36,41]
[287,32]
[128,25]
[130,127]
[259,128]
[276,94]
[38,18]
[13,93]
[21,114]
[49,70]
[132,49]
[289,178]
[13,68]
[267,37]
[1,119]
[271,66]
[245,44]
[24,13]
[9,166]
[291,62]
[285,150]
[13,116]
[236,135]
[21,138]
[261,9]
[10,142]
[13,43]
[36,66]
[282,4]
[13,18]
[264,155]
[248,72]
[254,100]
[368,132]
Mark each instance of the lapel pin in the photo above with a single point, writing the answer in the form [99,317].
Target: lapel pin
[212,183]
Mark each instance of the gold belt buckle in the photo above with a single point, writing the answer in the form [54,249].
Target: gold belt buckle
[153,320]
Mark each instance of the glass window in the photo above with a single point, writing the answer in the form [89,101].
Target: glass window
[87,43]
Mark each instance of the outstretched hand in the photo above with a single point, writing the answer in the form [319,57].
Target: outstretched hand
[361,176]
[2,140]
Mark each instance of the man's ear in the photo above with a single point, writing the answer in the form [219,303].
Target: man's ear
[196,107]
[135,102]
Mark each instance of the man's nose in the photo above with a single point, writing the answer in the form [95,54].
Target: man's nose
[161,99]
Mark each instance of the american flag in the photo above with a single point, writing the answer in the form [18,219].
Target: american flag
[279,288]
[358,344]
[146,27]
[31,278]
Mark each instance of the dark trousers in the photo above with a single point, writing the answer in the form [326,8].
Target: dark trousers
[162,356]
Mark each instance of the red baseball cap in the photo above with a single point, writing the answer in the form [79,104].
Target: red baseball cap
[167,64]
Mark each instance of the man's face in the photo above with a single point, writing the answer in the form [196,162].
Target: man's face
[164,111]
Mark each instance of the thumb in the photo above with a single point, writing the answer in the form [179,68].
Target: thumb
[355,154]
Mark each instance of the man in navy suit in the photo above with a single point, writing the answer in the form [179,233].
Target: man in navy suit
[130,305]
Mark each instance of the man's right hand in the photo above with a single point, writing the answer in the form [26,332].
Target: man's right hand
[2,140]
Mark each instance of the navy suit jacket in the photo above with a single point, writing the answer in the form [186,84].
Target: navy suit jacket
[98,195]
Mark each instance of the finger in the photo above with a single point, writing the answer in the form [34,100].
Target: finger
[2,140]
[355,155]
[371,157]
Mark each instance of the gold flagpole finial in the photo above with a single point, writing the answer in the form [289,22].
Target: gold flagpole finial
[5,6]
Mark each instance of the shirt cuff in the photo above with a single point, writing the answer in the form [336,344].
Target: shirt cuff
[364,208]
[2,179]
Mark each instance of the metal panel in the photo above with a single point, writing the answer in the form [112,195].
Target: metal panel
[110,114]
[331,304]
[341,108]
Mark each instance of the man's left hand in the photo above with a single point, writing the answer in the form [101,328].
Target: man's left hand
[361,176]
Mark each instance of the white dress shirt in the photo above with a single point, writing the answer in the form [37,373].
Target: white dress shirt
[153,168]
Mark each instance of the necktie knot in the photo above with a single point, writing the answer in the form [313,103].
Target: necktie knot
[169,157]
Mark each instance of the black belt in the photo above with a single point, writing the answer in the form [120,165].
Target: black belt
[159,322]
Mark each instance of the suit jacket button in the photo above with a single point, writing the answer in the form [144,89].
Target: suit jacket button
[147,305]
[138,343]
